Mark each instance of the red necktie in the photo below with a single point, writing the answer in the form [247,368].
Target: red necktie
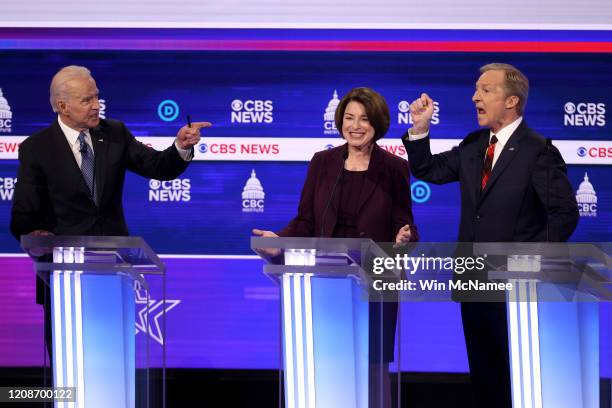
[488,162]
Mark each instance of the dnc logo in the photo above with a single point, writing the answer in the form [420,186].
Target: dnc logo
[168,110]
[420,192]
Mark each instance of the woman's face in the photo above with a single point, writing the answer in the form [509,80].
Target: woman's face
[356,127]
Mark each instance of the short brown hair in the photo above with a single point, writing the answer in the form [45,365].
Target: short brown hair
[375,106]
[517,83]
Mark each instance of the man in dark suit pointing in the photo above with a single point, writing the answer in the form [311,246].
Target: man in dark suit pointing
[71,174]
[514,188]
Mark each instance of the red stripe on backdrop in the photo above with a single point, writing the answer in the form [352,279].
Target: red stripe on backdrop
[425,46]
[310,45]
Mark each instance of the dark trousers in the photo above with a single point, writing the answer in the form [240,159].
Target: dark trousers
[486,340]
[379,391]
[382,326]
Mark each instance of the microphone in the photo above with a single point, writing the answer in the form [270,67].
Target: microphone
[331,196]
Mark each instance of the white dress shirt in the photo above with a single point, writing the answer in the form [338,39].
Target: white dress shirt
[502,137]
[72,136]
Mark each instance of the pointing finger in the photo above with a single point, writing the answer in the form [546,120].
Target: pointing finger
[200,125]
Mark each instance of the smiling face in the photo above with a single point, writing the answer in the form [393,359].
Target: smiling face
[80,108]
[494,108]
[356,128]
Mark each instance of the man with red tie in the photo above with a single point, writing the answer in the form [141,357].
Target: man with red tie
[514,188]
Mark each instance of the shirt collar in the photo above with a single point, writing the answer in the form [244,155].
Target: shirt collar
[504,134]
[71,134]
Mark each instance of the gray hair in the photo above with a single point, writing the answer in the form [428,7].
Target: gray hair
[59,88]
[516,83]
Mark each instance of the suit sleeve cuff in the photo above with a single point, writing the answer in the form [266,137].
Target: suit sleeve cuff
[186,154]
[412,138]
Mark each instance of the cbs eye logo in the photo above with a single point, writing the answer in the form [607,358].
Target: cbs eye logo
[403,106]
[236,105]
[154,184]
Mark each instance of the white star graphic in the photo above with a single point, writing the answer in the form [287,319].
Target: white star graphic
[155,308]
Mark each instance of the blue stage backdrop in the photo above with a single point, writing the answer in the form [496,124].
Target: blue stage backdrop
[270,98]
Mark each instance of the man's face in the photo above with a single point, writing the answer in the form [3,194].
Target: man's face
[494,109]
[81,108]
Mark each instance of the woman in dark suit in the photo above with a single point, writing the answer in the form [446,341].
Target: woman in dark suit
[372,195]
[359,190]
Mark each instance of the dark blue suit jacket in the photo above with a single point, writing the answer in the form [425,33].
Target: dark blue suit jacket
[527,190]
[51,193]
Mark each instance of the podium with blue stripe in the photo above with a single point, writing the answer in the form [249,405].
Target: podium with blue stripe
[554,321]
[326,323]
[93,315]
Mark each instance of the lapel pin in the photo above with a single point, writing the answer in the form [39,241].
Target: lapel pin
[511,149]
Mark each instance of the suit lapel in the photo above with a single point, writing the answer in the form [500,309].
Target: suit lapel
[100,147]
[332,168]
[507,155]
[64,154]
[334,165]
[373,176]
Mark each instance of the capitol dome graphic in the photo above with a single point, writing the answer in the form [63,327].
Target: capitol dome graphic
[5,109]
[330,112]
[586,198]
[253,189]
[253,195]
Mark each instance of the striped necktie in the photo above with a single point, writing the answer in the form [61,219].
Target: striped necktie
[488,163]
[87,166]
